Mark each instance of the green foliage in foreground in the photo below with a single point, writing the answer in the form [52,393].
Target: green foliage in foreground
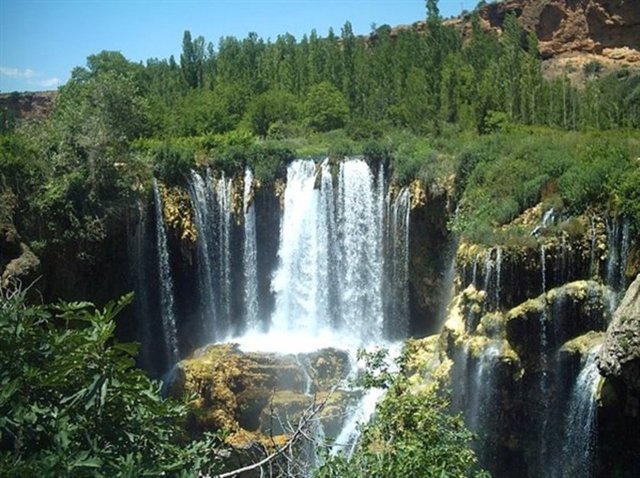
[73,404]
[411,434]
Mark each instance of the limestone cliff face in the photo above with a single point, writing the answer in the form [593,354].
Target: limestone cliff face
[620,356]
[571,33]
[27,105]
[605,27]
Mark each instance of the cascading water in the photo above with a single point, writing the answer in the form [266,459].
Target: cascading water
[250,255]
[296,283]
[166,283]
[137,244]
[498,275]
[361,266]
[624,253]
[331,270]
[342,265]
[201,197]
[487,272]
[398,237]
[224,187]
[544,384]
[481,389]
[580,426]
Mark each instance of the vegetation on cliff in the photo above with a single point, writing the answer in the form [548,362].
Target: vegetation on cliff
[411,434]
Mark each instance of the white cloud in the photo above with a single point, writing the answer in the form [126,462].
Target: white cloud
[11,72]
[31,76]
[48,82]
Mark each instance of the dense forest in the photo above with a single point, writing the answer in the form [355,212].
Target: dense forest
[418,96]
[421,99]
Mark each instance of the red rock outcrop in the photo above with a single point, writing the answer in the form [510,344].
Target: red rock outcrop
[610,28]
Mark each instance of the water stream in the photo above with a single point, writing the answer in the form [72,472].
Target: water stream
[166,283]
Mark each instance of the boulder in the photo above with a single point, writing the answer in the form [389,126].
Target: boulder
[256,397]
[620,354]
[541,325]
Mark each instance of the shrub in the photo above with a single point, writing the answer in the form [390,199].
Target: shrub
[73,404]
[411,434]
[268,161]
[172,163]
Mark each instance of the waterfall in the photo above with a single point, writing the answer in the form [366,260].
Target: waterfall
[618,243]
[592,257]
[361,267]
[498,275]
[250,255]
[400,209]
[481,410]
[331,268]
[138,256]
[474,273]
[361,412]
[613,258]
[580,427]
[224,192]
[544,383]
[486,271]
[481,388]
[201,197]
[166,282]
[296,282]
[624,253]
[543,268]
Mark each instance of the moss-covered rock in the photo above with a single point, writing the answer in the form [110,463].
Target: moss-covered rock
[22,268]
[541,325]
[178,214]
[620,355]
[253,396]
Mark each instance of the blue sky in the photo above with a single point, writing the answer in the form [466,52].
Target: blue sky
[41,41]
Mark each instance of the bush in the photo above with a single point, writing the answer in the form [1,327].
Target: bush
[268,161]
[411,434]
[72,403]
[359,129]
[172,163]
[376,152]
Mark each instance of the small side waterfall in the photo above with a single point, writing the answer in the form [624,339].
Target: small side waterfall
[482,388]
[624,253]
[250,256]
[398,237]
[139,263]
[223,188]
[498,275]
[166,283]
[580,427]
[201,196]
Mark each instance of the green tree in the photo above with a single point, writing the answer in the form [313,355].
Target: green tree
[73,404]
[270,107]
[325,107]
[192,59]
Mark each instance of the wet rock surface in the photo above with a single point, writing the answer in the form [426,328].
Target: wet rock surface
[256,396]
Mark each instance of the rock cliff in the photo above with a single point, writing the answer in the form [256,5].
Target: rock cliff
[571,33]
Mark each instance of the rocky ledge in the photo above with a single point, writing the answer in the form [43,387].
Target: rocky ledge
[254,396]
